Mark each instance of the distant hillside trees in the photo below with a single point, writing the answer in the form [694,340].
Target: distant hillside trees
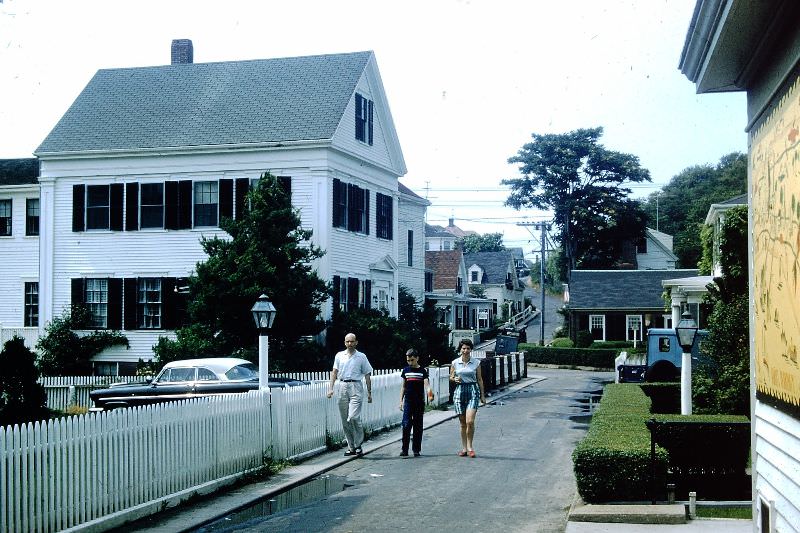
[681,206]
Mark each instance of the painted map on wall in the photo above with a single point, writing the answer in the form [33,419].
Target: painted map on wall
[775,207]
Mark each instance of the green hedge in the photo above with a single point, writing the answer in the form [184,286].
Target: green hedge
[596,358]
[612,462]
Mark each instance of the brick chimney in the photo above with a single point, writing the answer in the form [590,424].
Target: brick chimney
[182,51]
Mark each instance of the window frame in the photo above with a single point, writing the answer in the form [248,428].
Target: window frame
[148,210]
[364,119]
[636,320]
[32,220]
[6,219]
[384,216]
[31,304]
[98,215]
[149,313]
[204,212]
[602,326]
[98,310]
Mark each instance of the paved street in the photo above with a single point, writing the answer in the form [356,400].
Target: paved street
[521,480]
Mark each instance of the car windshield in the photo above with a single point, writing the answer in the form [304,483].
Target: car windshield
[245,371]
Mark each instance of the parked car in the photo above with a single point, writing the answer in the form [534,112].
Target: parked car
[188,378]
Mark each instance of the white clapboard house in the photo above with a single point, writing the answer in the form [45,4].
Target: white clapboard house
[146,161]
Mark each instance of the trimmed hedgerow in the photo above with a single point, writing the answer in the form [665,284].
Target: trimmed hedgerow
[596,358]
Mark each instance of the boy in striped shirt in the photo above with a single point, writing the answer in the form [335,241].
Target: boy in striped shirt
[412,401]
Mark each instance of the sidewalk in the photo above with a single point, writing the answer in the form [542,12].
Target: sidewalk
[709,525]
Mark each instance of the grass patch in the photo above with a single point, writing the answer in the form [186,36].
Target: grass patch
[743,513]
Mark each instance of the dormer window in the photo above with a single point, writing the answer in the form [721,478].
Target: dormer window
[364,119]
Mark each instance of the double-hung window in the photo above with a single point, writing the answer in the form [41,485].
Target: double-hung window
[5,217]
[350,207]
[31,304]
[383,216]
[152,205]
[148,303]
[96,301]
[364,119]
[98,205]
[410,248]
[597,327]
[206,203]
[32,216]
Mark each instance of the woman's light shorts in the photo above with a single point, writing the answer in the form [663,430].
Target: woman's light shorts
[466,396]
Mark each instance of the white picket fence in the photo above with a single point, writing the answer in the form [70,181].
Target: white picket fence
[73,391]
[63,473]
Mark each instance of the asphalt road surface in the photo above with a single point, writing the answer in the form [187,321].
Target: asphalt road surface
[521,479]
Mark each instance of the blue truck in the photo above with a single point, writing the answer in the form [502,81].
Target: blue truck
[663,359]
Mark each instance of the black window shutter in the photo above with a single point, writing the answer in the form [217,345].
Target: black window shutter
[171,205]
[78,207]
[366,211]
[286,185]
[359,121]
[242,186]
[129,289]
[225,198]
[77,291]
[351,207]
[352,293]
[170,314]
[132,206]
[115,214]
[335,294]
[369,123]
[368,294]
[185,204]
[389,218]
[337,199]
[114,303]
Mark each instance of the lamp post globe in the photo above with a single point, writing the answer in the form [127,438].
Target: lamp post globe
[264,316]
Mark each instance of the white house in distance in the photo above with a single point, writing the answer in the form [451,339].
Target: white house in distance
[19,250]
[147,160]
[654,252]
[439,238]
[496,274]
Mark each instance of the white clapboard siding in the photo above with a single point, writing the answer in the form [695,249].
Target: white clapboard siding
[29,335]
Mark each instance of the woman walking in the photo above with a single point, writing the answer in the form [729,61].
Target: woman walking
[465,372]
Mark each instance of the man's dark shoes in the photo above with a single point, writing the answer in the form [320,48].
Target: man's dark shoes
[359,451]
[350,453]
[416,454]
[404,454]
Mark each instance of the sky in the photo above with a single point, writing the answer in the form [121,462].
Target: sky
[468,81]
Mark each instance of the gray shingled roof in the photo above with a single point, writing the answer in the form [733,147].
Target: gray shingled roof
[19,171]
[209,104]
[620,289]
[432,230]
[494,265]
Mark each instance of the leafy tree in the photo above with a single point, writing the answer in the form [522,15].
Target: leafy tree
[63,352]
[488,242]
[268,252]
[723,385]
[581,182]
[385,339]
[680,208]
[22,398]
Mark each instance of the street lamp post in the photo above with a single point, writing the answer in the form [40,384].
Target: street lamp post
[686,330]
[263,315]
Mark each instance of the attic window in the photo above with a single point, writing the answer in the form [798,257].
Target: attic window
[364,114]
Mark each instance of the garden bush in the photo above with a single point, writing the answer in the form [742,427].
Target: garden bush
[595,358]
[562,342]
[612,462]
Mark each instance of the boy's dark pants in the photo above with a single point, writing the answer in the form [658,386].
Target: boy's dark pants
[412,419]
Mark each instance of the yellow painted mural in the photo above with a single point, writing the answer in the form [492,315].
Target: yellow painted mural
[775,208]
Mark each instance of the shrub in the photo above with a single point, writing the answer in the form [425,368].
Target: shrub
[569,356]
[616,345]
[665,397]
[562,342]
[583,339]
[22,398]
[612,462]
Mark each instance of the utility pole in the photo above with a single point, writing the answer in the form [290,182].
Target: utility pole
[544,228]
